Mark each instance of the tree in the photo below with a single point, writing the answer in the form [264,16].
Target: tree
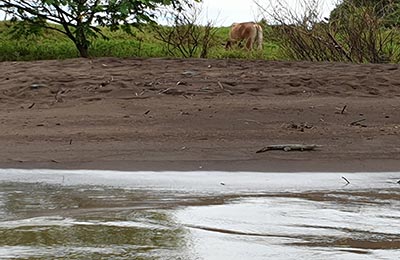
[388,10]
[184,36]
[81,20]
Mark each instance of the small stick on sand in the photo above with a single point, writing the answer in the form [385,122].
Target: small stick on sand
[164,91]
[357,121]
[344,108]
[250,120]
[222,87]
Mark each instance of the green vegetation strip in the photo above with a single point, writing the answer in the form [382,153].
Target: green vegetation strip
[143,44]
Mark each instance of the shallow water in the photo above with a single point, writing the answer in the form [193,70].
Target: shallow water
[198,215]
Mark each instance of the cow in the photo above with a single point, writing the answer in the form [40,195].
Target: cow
[250,32]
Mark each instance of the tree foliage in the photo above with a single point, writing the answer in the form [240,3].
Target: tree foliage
[357,31]
[387,10]
[81,20]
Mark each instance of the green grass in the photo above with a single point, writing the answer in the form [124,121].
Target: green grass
[54,45]
[270,52]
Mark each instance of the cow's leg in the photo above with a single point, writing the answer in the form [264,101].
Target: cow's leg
[249,43]
[228,45]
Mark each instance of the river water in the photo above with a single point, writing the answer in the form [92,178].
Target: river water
[59,214]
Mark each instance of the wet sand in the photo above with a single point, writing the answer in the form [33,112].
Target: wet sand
[175,114]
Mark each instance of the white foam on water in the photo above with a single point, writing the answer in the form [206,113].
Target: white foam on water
[205,181]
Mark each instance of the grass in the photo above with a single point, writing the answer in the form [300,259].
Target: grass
[54,45]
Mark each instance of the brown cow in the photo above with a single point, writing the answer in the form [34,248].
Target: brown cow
[250,32]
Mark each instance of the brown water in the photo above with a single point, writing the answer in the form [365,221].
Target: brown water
[49,214]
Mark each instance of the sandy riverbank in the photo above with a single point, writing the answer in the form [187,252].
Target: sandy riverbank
[165,114]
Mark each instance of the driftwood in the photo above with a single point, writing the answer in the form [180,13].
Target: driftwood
[289,147]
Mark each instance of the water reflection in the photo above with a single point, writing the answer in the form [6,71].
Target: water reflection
[48,219]
[292,227]
[51,220]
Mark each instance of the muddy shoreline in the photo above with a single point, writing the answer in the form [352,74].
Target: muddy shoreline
[334,165]
[194,114]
